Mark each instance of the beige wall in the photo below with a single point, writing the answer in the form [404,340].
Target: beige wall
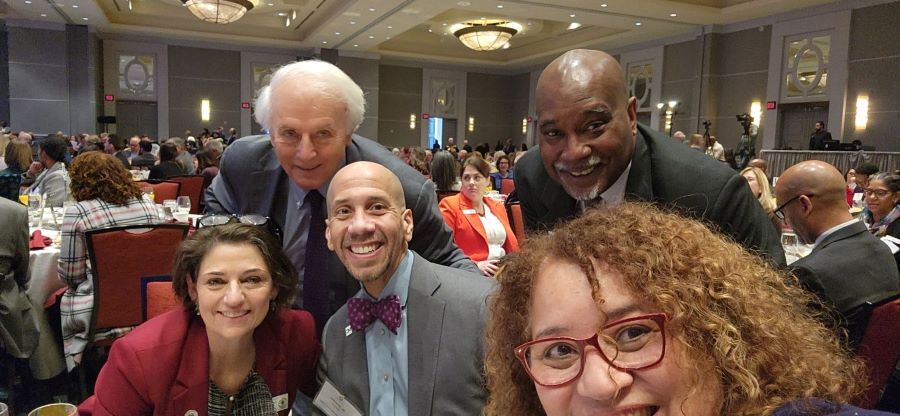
[498,103]
[196,74]
[399,95]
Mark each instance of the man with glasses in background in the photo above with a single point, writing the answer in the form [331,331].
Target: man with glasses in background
[311,110]
[847,266]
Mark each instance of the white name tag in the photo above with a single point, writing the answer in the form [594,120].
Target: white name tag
[280,402]
[468,211]
[331,402]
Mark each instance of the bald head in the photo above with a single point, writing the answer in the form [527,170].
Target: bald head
[369,175]
[758,163]
[582,70]
[821,200]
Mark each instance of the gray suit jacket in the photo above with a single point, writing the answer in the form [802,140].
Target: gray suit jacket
[848,268]
[446,312]
[18,332]
[251,181]
[667,173]
[55,183]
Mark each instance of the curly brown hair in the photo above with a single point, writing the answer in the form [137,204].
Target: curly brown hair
[762,332]
[97,175]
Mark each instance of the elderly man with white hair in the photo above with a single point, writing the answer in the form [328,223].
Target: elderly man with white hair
[311,110]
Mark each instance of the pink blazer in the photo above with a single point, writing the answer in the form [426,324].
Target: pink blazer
[468,232]
[162,367]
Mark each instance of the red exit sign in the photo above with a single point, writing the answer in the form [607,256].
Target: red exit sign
[245,105]
[771,105]
[109,97]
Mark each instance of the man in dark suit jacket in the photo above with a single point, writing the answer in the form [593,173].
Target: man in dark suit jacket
[311,109]
[819,137]
[848,266]
[424,358]
[593,152]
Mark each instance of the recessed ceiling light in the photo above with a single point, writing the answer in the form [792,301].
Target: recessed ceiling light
[293,15]
[390,27]
[637,23]
[430,31]
[27,1]
[529,23]
[355,45]
[43,14]
[84,18]
[499,6]
[337,33]
[673,14]
[371,9]
[281,14]
[371,37]
[574,25]
[572,15]
[387,37]
[507,45]
[130,5]
[270,4]
[602,4]
[353,22]
[324,42]
[287,22]
[443,24]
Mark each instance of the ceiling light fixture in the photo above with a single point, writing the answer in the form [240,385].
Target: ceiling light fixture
[130,5]
[603,5]
[27,1]
[572,15]
[43,14]
[637,23]
[219,11]
[499,6]
[485,35]
[574,25]
[74,6]
[84,18]
[673,14]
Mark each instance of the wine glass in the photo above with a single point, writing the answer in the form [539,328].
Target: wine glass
[182,208]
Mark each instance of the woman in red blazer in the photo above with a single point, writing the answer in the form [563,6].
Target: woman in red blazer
[480,224]
[231,350]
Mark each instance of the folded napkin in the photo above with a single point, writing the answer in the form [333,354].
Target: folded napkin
[38,241]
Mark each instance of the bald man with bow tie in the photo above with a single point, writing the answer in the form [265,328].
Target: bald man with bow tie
[410,342]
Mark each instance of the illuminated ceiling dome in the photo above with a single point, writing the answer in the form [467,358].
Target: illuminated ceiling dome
[485,35]
[219,11]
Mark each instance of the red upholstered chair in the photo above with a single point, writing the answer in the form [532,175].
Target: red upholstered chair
[192,187]
[119,257]
[162,190]
[507,186]
[157,296]
[880,347]
[517,222]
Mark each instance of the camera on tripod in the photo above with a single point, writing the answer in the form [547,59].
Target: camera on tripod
[744,118]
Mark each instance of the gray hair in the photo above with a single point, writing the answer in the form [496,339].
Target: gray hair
[320,76]
[215,144]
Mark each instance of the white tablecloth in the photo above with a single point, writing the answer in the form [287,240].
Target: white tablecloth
[47,361]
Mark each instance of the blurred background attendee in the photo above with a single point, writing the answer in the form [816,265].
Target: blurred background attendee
[882,209]
[115,146]
[759,185]
[679,136]
[480,224]
[445,172]
[169,165]
[606,315]
[714,149]
[852,188]
[145,159]
[504,171]
[863,171]
[105,196]
[417,161]
[49,173]
[696,142]
[18,159]
[207,166]
[4,141]
[234,344]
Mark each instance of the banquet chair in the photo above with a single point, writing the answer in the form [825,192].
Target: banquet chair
[517,222]
[162,190]
[443,194]
[191,187]
[880,346]
[157,296]
[507,186]
[119,257]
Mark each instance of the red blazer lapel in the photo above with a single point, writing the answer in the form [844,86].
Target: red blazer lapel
[465,205]
[271,361]
[191,388]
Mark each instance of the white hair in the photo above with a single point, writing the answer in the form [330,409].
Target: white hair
[321,76]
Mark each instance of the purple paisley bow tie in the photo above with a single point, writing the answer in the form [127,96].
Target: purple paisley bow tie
[362,312]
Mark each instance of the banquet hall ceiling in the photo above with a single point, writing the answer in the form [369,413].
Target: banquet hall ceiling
[412,29]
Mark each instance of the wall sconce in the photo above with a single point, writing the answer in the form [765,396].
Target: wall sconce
[862,112]
[412,121]
[204,110]
[756,111]
[668,109]
[471,124]
[525,125]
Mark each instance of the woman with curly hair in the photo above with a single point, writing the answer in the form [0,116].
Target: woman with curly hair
[105,196]
[607,315]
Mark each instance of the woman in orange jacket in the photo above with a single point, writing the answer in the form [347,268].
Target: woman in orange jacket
[480,224]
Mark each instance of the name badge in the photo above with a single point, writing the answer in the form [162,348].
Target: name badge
[280,402]
[468,212]
[331,402]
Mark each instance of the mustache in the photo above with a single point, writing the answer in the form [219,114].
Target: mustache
[592,161]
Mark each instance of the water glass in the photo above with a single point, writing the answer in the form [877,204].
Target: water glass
[36,208]
[183,204]
[789,242]
[149,193]
[55,409]
[169,207]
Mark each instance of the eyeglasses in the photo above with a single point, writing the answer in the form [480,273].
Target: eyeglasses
[214,220]
[880,193]
[778,211]
[628,344]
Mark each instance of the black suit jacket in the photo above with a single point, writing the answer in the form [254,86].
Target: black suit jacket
[670,174]
[818,139]
[251,181]
[848,268]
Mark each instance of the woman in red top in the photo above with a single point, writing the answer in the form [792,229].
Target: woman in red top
[480,224]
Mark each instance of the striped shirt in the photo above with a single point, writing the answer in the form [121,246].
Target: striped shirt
[75,270]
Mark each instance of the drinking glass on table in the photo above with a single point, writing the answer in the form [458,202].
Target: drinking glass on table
[148,191]
[55,409]
[169,207]
[789,242]
[36,207]
[182,208]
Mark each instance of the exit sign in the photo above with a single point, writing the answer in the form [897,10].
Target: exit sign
[109,97]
